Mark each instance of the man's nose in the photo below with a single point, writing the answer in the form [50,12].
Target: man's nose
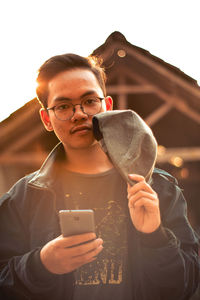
[78,113]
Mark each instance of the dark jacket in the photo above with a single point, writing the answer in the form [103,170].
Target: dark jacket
[163,264]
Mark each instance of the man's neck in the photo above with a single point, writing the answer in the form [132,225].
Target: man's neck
[90,160]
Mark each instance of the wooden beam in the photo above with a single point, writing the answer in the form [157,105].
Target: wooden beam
[122,96]
[172,100]
[131,74]
[130,89]
[157,114]
[25,139]
[164,71]
[179,104]
[122,101]
[25,117]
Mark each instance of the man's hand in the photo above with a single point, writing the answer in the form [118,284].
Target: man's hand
[143,205]
[64,254]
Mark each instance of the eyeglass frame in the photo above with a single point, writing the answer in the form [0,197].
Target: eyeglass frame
[74,108]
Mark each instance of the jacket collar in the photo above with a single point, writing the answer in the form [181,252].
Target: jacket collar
[46,176]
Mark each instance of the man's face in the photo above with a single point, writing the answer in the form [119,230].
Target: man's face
[72,86]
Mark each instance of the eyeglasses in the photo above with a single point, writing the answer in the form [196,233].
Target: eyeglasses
[89,106]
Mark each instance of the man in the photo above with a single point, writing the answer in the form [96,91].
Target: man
[144,247]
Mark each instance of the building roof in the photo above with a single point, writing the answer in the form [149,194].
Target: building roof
[161,93]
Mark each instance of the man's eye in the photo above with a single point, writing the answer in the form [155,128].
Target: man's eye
[90,101]
[62,107]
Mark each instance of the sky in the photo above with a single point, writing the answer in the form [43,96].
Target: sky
[34,30]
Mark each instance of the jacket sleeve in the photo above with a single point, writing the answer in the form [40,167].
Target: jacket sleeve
[169,265]
[22,275]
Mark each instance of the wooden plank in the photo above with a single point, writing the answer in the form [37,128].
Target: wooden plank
[122,101]
[130,89]
[164,71]
[122,96]
[172,100]
[179,104]
[148,61]
[25,139]
[157,114]
[25,117]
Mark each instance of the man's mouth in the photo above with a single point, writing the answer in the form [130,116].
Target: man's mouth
[80,128]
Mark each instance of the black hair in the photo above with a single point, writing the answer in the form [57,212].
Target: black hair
[64,62]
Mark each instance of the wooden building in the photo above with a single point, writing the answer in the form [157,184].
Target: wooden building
[166,98]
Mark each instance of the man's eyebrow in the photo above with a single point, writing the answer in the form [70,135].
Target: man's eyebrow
[62,98]
[89,93]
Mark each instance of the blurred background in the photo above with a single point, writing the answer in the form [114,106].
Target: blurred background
[150,52]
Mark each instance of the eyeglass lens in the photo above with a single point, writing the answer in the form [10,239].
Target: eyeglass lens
[89,106]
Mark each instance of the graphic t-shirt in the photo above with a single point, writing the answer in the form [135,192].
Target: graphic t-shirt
[106,194]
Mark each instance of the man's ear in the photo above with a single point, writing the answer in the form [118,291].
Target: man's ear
[109,103]
[45,119]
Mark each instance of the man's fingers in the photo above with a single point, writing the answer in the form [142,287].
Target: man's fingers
[143,205]
[85,256]
[70,241]
[136,177]
[140,195]
[142,185]
[80,260]
[145,202]
[85,248]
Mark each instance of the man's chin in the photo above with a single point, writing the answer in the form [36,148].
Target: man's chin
[82,145]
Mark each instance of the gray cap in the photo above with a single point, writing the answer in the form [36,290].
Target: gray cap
[128,141]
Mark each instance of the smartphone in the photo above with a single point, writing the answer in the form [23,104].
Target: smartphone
[73,222]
